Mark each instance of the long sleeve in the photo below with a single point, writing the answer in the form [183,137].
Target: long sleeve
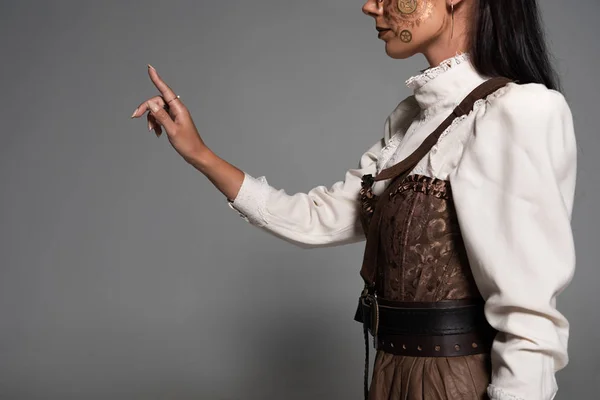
[320,218]
[513,190]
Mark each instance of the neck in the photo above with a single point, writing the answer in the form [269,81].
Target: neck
[447,44]
[438,52]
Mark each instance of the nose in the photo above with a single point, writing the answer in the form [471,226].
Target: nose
[370,8]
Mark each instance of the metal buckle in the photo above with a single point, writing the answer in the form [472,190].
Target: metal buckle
[367,180]
[365,291]
[369,299]
[374,316]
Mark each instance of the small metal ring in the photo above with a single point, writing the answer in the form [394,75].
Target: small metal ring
[174,98]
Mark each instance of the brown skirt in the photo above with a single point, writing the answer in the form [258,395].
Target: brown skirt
[397,377]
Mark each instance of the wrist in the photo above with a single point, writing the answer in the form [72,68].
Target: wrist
[201,160]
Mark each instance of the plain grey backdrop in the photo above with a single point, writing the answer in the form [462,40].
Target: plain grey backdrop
[125,275]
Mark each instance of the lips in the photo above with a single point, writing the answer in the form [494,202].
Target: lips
[382,32]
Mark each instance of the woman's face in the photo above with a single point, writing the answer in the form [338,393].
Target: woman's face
[412,25]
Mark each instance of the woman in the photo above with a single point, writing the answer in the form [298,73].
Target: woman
[472,188]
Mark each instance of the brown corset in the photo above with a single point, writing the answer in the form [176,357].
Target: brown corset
[421,255]
[414,249]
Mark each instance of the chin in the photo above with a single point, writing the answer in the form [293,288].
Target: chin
[400,50]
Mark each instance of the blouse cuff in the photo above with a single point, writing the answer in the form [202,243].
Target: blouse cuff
[496,393]
[532,377]
[251,200]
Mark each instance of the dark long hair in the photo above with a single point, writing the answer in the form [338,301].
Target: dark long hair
[507,39]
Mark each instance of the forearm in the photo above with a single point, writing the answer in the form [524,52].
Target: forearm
[223,175]
[323,216]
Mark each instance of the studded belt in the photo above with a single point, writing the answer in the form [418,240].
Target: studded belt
[430,329]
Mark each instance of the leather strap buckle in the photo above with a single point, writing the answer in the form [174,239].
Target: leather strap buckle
[370,311]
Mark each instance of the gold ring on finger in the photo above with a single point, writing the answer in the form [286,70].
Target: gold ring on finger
[176,97]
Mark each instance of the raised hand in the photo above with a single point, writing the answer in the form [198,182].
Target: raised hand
[168,111]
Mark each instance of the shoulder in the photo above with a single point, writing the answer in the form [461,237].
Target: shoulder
[527,111]
[527,124]
[526,101]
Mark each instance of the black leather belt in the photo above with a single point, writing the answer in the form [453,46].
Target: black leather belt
[447,317]
[429,329]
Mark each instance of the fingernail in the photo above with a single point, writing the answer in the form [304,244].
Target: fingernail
[150,66]
[153,106]
[134,112]
[149,126]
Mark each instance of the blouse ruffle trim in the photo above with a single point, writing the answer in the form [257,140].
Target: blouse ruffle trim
[429,74]
[388,151]
[390,156]
[476,106]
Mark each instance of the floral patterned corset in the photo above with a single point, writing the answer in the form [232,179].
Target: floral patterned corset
[421,254]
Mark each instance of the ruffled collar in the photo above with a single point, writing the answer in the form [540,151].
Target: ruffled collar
[444,85]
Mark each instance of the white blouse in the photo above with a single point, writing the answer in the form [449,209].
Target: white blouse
[511,163]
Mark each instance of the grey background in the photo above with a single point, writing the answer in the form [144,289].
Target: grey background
[124,274]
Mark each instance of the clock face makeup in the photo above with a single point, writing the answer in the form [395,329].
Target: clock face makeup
[409,26]
[407,6]
[403,16]
[406,36]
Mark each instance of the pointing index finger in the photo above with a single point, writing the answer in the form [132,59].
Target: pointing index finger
[164,89]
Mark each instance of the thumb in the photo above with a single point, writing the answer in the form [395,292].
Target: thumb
[162,116]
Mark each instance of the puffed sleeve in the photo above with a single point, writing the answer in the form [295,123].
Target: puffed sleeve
[513,190]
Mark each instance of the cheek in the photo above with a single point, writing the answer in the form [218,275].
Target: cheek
[407,14]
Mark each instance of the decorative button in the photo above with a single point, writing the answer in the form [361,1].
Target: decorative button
[456,347]
[437,348]
[474,345]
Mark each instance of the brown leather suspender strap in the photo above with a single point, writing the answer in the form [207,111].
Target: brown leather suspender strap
[404,167]
[485,89]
